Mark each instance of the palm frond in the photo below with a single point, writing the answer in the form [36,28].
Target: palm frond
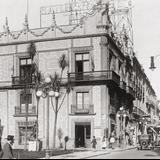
[63,62]
[32,50]
[55,81]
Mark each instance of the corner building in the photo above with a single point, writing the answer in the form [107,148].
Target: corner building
[100,73]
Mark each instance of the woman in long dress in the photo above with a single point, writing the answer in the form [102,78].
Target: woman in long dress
[104,143]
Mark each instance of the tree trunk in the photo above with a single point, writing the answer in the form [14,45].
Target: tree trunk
[55,125]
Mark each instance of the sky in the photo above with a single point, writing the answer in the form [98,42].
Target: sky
[146,27]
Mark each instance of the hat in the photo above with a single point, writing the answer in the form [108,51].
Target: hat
[10,138]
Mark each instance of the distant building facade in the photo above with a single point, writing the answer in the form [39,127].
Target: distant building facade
[103,80]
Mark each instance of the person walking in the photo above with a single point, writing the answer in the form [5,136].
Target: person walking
[94,142]
[7,149]
[112,141]
[104,143]
[134,140]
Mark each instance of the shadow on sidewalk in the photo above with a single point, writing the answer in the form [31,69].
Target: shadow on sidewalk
[157,151]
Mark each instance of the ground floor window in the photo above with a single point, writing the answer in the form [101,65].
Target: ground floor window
[31,134]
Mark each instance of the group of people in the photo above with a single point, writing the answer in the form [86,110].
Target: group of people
[110,142]
[7,152]
[105,142]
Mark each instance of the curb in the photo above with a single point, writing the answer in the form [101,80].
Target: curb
[114,151]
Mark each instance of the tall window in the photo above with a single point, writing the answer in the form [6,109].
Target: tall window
[82,62]
[31,134]
[23,100]
[83,100]
[25,69]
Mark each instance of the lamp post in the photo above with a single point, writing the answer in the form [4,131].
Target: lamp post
[153,58]
[122,115]
[47,91]
[152,67]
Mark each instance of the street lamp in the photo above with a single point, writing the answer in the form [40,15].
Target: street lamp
[152,67]
[122,115]
[47,91]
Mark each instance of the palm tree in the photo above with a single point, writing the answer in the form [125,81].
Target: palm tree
[32,50]
[57,83]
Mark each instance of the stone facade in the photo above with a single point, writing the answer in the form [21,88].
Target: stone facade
[107,80]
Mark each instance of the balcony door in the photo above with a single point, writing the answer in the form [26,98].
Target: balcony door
[25,99]
[82,99]
[82,65]
[26,70]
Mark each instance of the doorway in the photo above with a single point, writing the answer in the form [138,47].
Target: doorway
[82,135]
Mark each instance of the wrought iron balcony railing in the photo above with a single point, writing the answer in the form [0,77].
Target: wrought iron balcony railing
[95,76]
[130,91]
[86,109]
[138,111]
[22,112]
[21,81]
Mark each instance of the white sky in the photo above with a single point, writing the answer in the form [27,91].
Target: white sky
[146,21]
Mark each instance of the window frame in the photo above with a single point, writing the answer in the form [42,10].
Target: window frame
[21,129]
[26,64]
[83,60]
[83,99]
[23,105]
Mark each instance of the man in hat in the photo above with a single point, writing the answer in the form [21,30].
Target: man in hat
[7,149]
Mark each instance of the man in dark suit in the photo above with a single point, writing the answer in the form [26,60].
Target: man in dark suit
[7,149]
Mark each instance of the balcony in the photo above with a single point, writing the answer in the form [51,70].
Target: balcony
[123,85]
[88,109]
[22,112]
[95,77]
[21,81]
[130,91]
[138,92]
[138,111]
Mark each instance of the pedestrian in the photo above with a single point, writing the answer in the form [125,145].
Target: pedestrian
[7,149]
[104,143]
[1,151]
[94,142]
[79,142]
[134,140]
[112,141]
[127,138]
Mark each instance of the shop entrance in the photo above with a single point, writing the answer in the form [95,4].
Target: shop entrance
[82,135]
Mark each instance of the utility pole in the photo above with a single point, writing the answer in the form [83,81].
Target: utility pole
[27,8]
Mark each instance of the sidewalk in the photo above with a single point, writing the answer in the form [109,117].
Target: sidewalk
[90,154]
